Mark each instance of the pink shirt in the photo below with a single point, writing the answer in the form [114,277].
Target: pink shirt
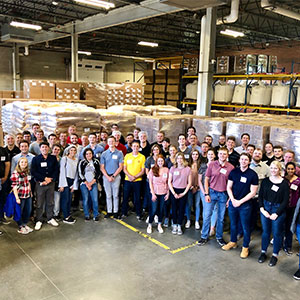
[218,175]
[180,177]
[160,184]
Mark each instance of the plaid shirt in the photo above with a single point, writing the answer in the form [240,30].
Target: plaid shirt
[22,182]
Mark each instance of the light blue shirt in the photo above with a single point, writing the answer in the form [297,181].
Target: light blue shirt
[16,158]
[111,160]
[97,151]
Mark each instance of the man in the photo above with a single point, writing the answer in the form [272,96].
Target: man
[111,167]
[193,140]
[27,136]
[103,138]
[72,130]
[165,147]
[19,138]
[182,147]
[4,172]
[134,168]
[136,132]
[63,140]
[97,149]
[289,156]
[34,148]
[209,140]
[24,148]
[216,178]
[117,134]
[34,127]
[74,142]
[262,170]
[85,139]
[52,140]
[159,139]
[98,139]
[222,143]
[234,156]
[145,147]
[129,140]
[245,137]
[250,149]
[115,127]
[203,154]
[45,169]
[241,188]
[191,131]
[11,147]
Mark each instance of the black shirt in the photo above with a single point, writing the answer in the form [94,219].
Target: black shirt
[146,150]
[3,158]
[42,168]
[234,158]
[13,152]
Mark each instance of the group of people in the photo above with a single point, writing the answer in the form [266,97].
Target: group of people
[167,181]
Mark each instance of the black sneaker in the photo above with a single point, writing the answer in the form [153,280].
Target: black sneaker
[297,275]
[202,242]
[221,242]
[4,221]
[69,220]
[108,215]
[57,218]
[139,218]
[96,219]
[87,219]
[287,251]
[262,258]
[116,215]
[273,261]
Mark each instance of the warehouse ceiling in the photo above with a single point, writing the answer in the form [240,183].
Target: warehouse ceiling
[176,33]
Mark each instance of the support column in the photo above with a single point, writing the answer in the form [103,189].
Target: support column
[206,67]
[16,67]
[74,55]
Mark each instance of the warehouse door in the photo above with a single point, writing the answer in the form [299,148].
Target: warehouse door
[91,70]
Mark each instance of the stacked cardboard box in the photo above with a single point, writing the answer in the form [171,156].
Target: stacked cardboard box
[173,88]
[39,89]
[67,90]
[7,94]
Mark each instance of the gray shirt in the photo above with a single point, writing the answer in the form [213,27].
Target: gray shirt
[111,160]
[34,148]
[16,158]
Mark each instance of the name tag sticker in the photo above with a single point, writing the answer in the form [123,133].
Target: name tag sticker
[243,179]
[129,161]
[152,165]
[294,187]
[176,173]
[115,156]
[29,177]
[44,164]
[2,158]
[165,175]
[186,156]
[275,188]
[223,171]
[140,149]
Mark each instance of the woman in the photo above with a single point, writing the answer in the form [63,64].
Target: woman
[56,149]
[268,156]
[180,181]
[211,156]
[273,199]
[158,181]
[294,183]
[68,172]
[194,192]
[89,174]
[20,181]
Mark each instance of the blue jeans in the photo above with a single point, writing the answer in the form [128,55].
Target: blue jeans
[189,204]
[298,238]
[288,222]
[219,198]
[66,199]
[268,226]
[242,213]
[147,196]
[157,207]
[135,188]
[93,193]
[178,206]
[26,205]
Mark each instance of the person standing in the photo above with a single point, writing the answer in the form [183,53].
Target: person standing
[111,165]
[268,156]
[245,137]
[145,147]
[242,186]
[24,148]
[273,200]
[4,173]
[234,156]
[34,147]
[183,148]
[216,178]
[11,147]
[96,148]
[44,169]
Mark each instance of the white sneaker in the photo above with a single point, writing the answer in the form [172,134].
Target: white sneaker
[38,225]
[188,224]
[179,231]
[155,219]
[22,230]
[272,241]
[147,220]
[52,222]
[28,229]
[149,228]
[159,228]
[197,225]
[174,229]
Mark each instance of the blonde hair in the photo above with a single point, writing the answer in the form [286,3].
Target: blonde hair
[185,163]
[277,164]
[18,168]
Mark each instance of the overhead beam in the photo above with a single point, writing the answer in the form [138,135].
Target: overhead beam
[130,13]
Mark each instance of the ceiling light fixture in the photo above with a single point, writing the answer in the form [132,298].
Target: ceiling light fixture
[148,44]
[54,3]
[232,33]
[97,3]
[25,25]
[85,52]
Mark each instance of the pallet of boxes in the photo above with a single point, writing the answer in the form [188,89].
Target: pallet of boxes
[173,87]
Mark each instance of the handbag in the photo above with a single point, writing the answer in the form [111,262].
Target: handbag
[11,207]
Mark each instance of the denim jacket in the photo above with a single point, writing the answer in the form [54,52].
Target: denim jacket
[294,222]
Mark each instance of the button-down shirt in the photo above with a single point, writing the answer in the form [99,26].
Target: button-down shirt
[240,149]
[16,158]
[111,160]
[262,170]
[42,168]
[97,151]
[22,182]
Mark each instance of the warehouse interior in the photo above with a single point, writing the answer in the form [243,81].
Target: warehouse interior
[223,66]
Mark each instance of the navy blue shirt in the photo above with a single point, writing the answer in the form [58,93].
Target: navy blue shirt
[242,182]
[42,168]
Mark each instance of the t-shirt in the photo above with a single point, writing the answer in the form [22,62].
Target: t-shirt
[134,165]
[186,153]
[180,177]
[160,183]
[242,182]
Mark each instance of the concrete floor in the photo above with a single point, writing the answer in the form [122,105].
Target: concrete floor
[109,261]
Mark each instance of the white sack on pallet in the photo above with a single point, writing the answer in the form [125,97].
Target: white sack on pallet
[239,94]
[261,94]
[223,92]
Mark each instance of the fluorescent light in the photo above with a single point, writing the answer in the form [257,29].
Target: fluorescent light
[25,25]
[97,3]
[149,44]
[85,52]
[232,33]
[54,3]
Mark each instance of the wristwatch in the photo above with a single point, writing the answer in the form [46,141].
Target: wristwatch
[206,194]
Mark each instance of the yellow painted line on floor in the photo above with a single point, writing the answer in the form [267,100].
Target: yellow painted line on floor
[183,248]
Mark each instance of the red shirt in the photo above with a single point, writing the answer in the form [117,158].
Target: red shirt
[120,147]
[21,181]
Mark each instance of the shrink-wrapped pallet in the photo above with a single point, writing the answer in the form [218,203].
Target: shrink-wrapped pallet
[209,126]
[223,92]
[139,109]
[261,94]
[222,113]
[164,110]
[8,118]
[239,94]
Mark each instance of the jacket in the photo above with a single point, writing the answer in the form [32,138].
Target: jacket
[294,222]
[81,169]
